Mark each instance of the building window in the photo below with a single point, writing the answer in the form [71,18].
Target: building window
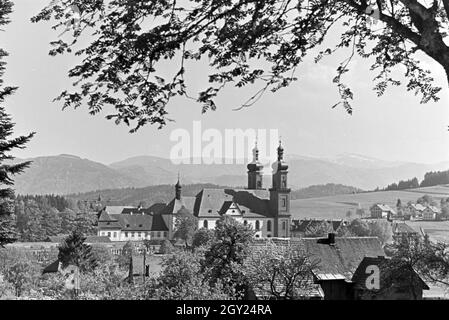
[132,234]
[114,235]
[257,225]
[126,234]
[268,225]
[205,224]
[158,234]
[245,223]
[284,225]
[109,234]
[165,234]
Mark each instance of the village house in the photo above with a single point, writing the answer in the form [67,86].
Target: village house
[381,211]
[407,286]
[266,210]
[401,231]
[341,269]
[431,213]
[416,210]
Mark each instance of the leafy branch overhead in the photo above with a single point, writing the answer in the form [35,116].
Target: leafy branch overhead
[121,67]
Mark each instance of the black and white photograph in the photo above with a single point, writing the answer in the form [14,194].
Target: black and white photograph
[233,152]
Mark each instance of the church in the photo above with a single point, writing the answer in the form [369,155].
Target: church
[266,210]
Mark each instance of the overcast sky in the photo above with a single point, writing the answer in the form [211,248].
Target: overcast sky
[393,127]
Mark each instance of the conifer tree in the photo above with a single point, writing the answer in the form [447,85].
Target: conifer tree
[7,144]
[74,251]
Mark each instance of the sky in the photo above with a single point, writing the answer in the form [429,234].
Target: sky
[393,127]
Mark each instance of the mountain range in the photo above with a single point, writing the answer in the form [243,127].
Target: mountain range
[68,174]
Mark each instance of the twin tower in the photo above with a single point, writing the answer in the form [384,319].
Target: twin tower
[279,192]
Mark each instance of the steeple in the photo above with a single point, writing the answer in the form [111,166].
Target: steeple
[280,195]
[178,189]
[279,165]
[255,170]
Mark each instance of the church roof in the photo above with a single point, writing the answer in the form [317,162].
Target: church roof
[252,203]
[134,222]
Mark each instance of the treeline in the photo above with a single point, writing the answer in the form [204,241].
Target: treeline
[38,217]
[432,178]
[139,196]
[435,178]
[407,184]
[323,190]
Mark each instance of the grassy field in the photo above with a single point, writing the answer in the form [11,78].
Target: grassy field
[335,207]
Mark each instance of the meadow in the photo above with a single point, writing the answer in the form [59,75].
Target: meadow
[336,207]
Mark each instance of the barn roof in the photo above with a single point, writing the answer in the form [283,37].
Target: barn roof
[340,260]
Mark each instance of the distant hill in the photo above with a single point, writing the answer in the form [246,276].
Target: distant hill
[68,174]
[335,207]
[65,174]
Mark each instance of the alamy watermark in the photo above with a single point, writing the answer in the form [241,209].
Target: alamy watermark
[231,146]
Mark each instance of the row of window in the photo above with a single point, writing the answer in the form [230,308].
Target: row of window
[156,234]
[257,224]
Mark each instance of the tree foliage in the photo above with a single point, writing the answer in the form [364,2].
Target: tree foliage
[185,226]
[280,272]
[430,260]
[226,254]
[74,251]
[7,144]
[245,41]
[182,279]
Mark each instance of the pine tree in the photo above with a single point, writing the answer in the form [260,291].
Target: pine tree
[74,251]
[7,144]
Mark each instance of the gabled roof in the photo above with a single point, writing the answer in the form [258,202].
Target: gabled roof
[209,202]
[403,228]
[52,267]
[384,207]
[175,205]
[360,275]
[434,209]
[417,206]
[225,207]
[341,259]
[136,222]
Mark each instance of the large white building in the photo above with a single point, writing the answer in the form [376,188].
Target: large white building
[266,210]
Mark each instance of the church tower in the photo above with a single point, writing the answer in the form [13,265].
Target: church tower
[255,168]
[280,195]
[178,189]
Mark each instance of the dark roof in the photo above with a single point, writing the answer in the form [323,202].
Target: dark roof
[175,205]
[52,267]
[225,207]
[360,275]
[252,203]
[341,259]
[135,222]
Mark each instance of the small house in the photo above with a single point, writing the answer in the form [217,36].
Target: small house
[381,211]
